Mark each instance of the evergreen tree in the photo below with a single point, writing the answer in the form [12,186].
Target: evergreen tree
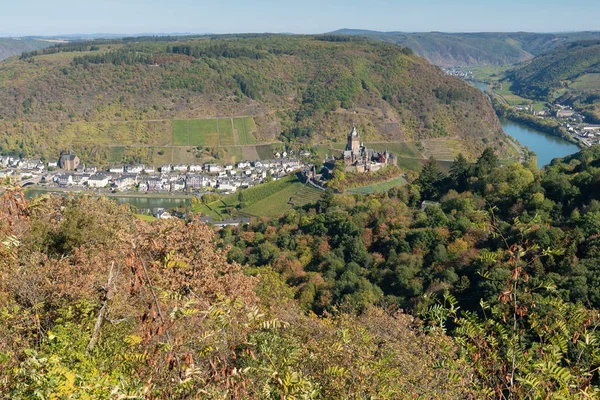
[460,172]
[486,163]
[430,179]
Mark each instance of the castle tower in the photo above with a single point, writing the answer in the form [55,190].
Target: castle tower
[353,141]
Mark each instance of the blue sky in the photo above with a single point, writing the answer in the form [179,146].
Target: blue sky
[53,17]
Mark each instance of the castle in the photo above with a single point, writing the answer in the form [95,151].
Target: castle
[357,158]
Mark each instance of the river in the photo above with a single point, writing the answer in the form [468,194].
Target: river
[546,147]
[140,202]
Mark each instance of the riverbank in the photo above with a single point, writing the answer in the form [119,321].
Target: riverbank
[548,126]
[132,194]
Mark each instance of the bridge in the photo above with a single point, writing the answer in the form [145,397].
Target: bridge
[34,180]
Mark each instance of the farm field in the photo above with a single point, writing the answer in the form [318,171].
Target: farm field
[379,187]
[203,132]
[214,132]
[181,135]
[510,98]
[439,149]
[250,128]
[269,199]
[267,151]
[225,132]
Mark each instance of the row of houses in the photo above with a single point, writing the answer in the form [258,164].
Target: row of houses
[158,182]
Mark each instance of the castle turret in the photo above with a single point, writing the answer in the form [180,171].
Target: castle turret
[353,141]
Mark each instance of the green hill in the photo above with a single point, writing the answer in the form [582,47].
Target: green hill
[570,72]
[474,49]
[126,94]
[11,47]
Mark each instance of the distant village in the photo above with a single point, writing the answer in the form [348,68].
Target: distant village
[573,122]
[69,172]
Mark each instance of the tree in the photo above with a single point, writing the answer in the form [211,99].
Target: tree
[486,163]
[430,179]
[241,200]
[460,172]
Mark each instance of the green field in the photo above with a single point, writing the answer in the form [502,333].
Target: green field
[487,73]
[266,151]
[204,132]
[239,130]
[587,82]
[250,128]
[180,133]
[226,132]
[508,96]
[269,199]
[379,187]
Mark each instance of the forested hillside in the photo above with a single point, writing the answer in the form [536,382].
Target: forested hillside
[474,49]
[550,72]
[12,47]
[497,275]
[93,95]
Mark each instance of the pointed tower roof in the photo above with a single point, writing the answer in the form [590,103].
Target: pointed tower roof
[353,132]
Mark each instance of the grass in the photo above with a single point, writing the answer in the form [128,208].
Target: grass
[410,164]
[587,82]
[226,132]
[487,73]
[180,133]
[116,154]
[265,152]
[148,218]
[161,155]
[204,132]
[239,131]
[250,129]
[511,98]
[232,154]
[269,199]
[379,187]
[306,195]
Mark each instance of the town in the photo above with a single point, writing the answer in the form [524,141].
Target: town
[68,172]
[571,121]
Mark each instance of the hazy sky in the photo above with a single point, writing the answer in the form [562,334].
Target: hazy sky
[53,17]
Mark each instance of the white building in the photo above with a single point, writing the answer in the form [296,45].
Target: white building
[64,179]
[180,168]
[134,169]
[214,168]
[116,169]
[195,168]
[98,181]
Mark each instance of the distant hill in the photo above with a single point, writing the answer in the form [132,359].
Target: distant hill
[93,95]
[473,49]
[570,72]
[11,47]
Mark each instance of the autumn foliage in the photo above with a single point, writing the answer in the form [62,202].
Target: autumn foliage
[95,303]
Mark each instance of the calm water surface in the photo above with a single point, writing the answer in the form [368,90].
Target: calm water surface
[138,202]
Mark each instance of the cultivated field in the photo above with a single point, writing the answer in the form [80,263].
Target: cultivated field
[440,149]
[269,199]
[379,187]
[181,134]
